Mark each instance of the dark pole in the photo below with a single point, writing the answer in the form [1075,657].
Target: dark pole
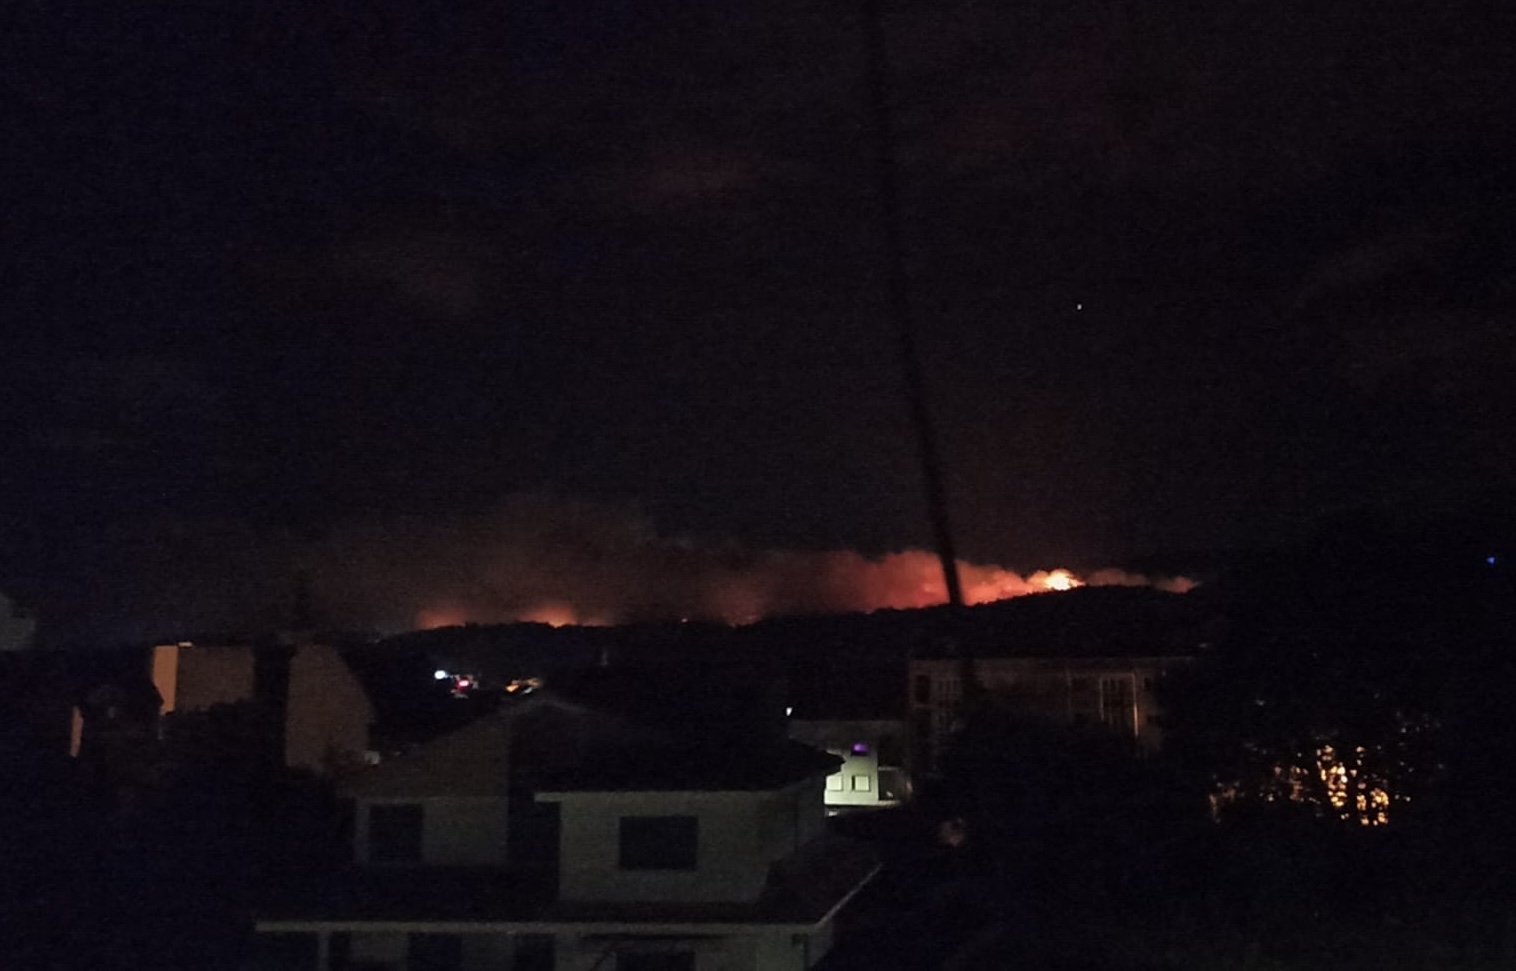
[898,296]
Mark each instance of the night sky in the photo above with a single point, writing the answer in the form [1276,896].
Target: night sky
[466,304]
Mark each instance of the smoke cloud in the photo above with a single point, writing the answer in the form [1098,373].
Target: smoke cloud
[533,558]
[560,561]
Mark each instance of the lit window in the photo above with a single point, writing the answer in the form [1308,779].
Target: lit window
[863,783]
[834,782]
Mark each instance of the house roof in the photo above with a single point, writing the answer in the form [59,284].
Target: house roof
[678,765]
[601,734]
[472,761]
[568,746]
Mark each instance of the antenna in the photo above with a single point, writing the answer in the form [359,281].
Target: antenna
[898,297]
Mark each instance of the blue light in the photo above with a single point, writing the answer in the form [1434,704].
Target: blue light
[1491,560]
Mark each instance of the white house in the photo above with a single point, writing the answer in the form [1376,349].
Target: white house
[553,835]
[872,774]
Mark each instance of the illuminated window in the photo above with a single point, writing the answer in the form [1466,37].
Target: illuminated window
[834,782]
[394,832]
[659,843]
[863,783]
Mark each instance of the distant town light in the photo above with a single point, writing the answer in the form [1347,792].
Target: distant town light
[860,748]
[788,711]
[465,683]
[1492,560]
[440,674]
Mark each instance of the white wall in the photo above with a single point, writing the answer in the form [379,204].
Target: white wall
[782,952]
[455,831]
[740,835]
[856,783]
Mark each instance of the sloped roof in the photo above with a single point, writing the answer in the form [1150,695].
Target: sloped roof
[551,742]
[682,765]
[472,761]
[671,727]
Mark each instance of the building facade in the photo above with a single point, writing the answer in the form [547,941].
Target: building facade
[873,753]
[552,836]
[1117,694]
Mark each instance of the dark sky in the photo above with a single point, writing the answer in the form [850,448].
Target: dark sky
[286,279]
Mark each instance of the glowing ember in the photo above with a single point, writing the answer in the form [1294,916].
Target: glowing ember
[1059,580]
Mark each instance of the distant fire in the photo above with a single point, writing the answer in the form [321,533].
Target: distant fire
[777,583]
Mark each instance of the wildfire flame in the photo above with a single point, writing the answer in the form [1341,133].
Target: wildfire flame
[780,582]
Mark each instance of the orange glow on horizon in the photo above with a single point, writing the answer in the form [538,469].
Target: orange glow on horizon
[787,582]
[447,615]
[551,614]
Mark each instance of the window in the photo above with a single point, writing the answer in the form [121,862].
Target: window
[656,961]
[1116,703]
[834,782]
[659,842]
[922,691]
[863,783]
[394,833]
